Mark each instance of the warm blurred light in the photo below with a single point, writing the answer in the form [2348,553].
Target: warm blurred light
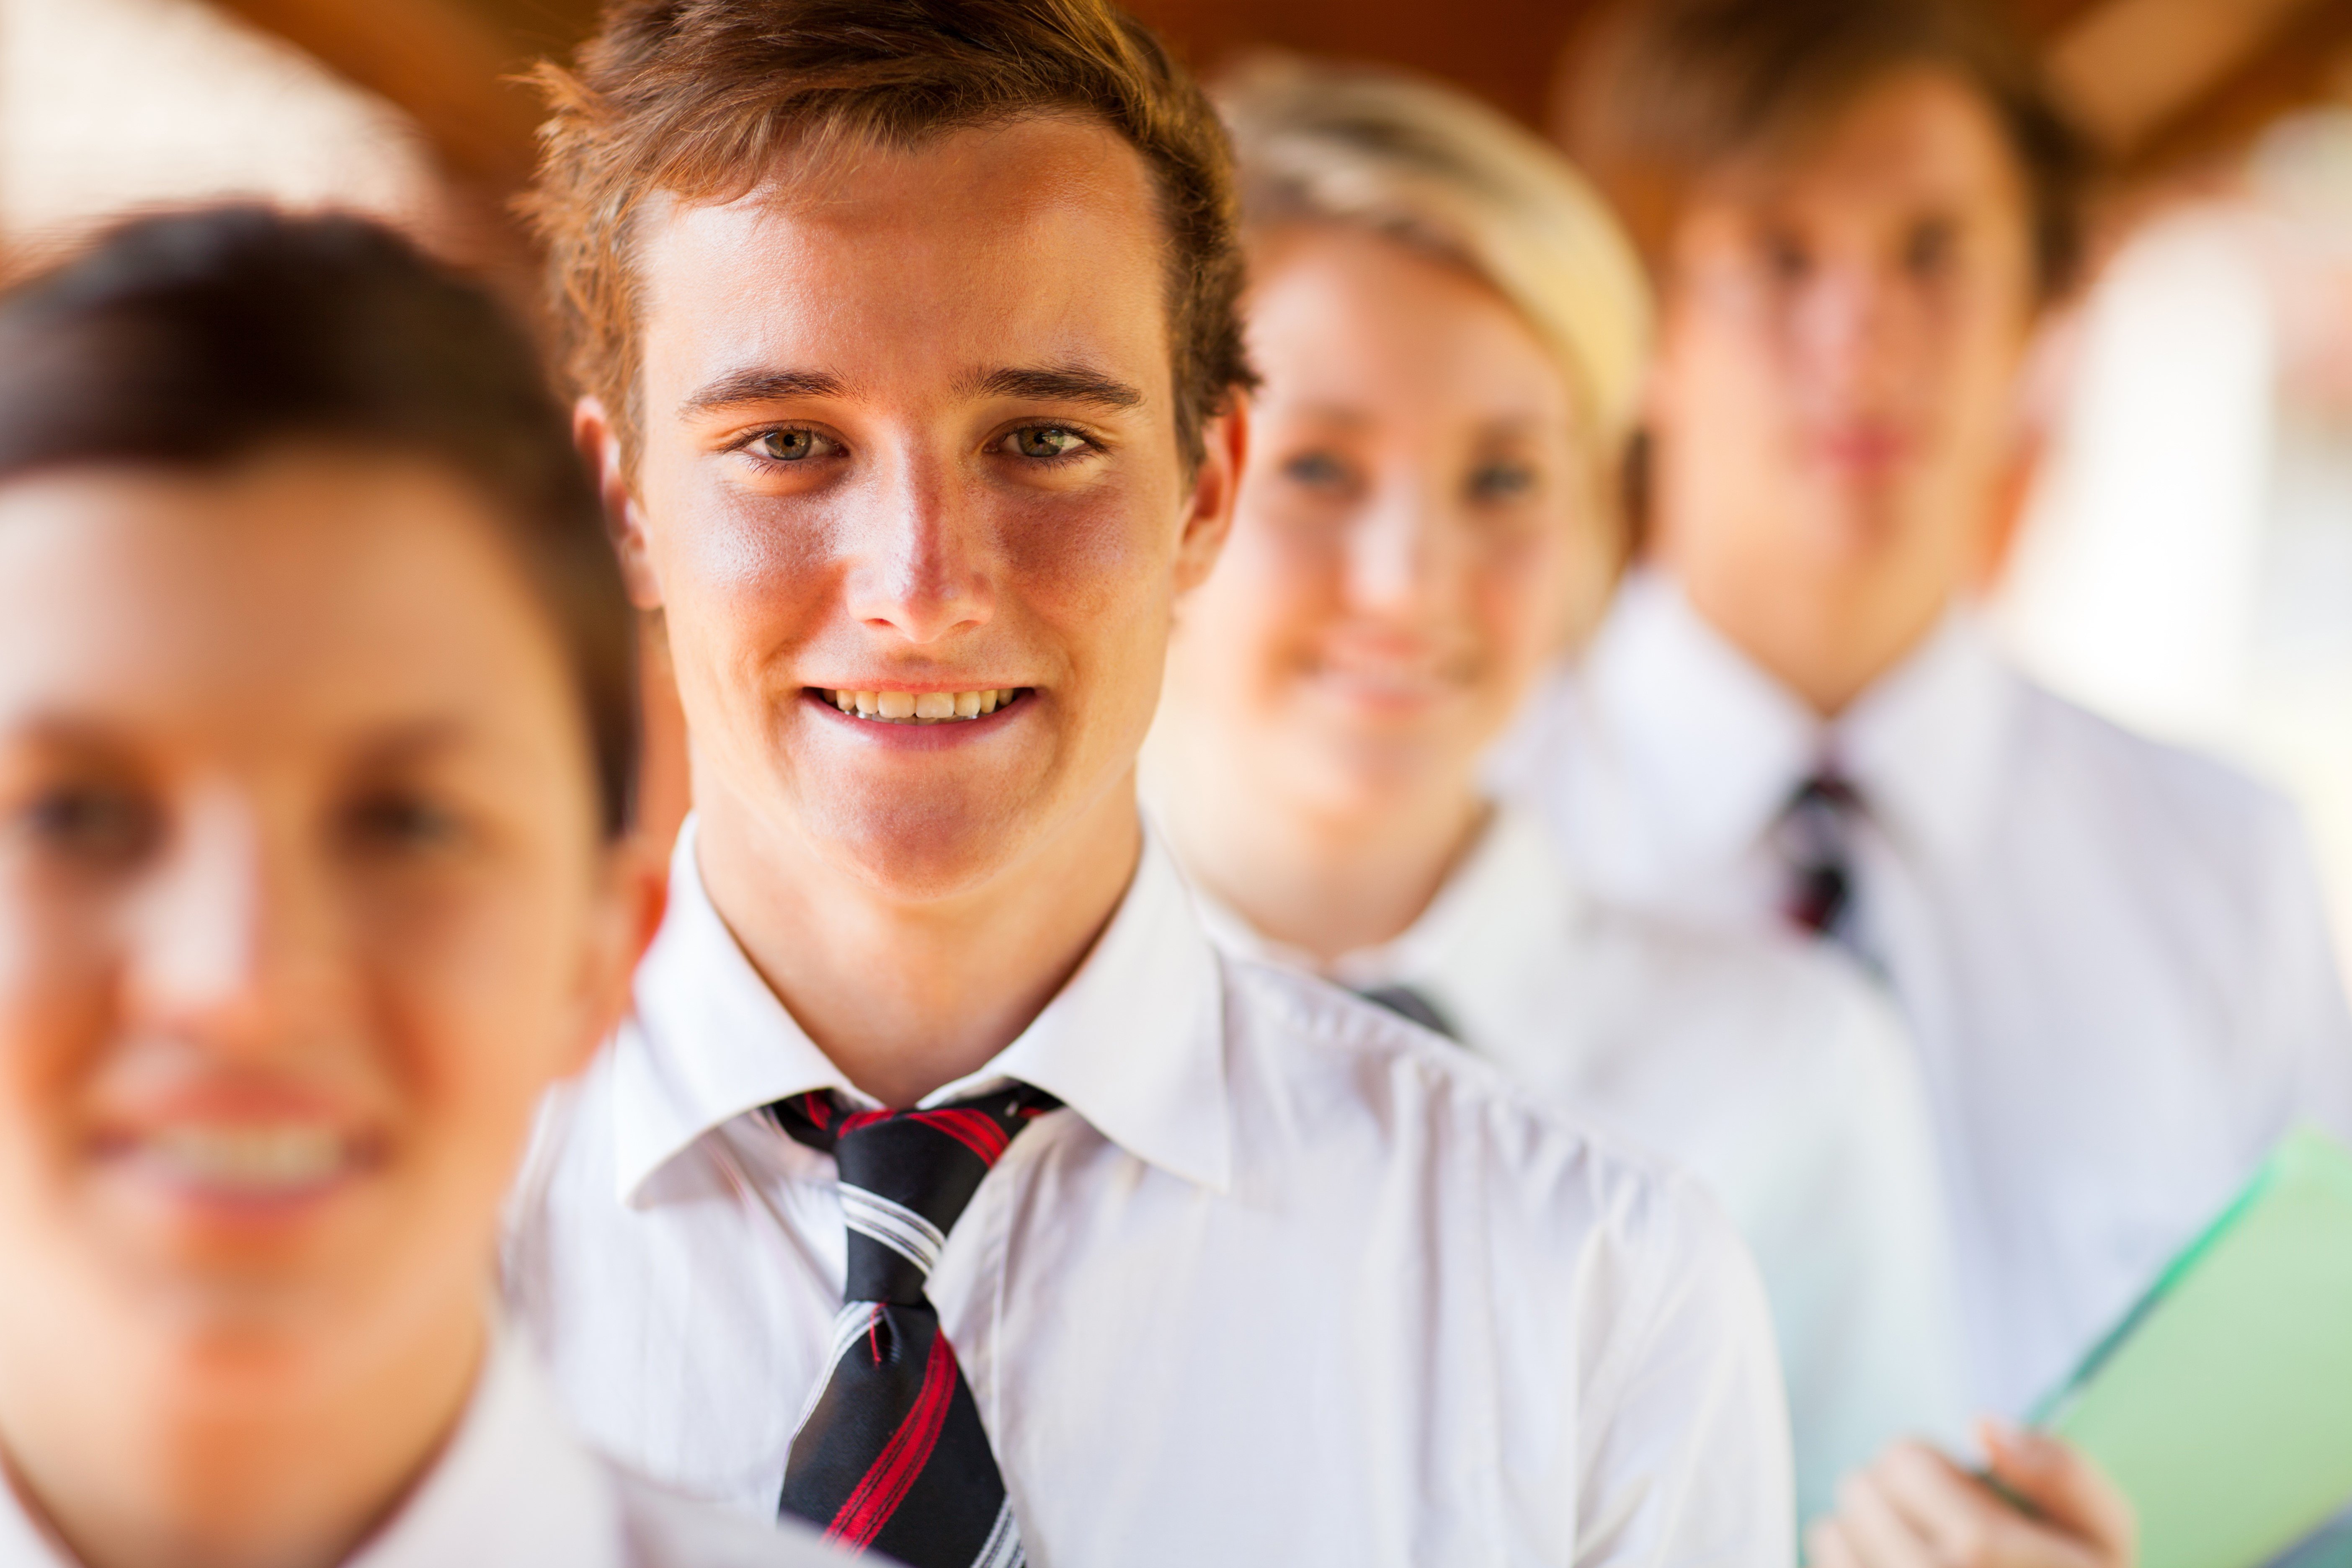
[108,104]
[2129,64]
[2186,566]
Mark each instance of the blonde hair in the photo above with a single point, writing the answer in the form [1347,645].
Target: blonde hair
[1434,169]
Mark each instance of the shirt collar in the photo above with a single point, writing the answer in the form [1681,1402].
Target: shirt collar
[1716,747]
[1711,746]
[1134,1042]
[1498,912]
[1928,744]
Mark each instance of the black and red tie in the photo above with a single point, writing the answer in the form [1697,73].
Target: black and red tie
[891,1456]
[1815,833]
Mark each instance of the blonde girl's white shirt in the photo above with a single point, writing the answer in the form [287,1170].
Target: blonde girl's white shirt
[2111,955]
[1285,1281]
[515,1489]
[1773,1072]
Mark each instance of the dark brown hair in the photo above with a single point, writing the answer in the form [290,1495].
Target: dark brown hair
[698,99]
[1659,93]
[198,340]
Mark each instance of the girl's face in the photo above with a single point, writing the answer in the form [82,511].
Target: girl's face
[1415,525]
[302,903]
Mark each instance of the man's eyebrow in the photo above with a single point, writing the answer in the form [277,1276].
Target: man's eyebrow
[1058,384]
[739,387]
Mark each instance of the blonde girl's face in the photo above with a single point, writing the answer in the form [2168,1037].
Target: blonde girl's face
[1416,521]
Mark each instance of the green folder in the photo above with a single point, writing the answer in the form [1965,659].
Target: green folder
[2222,1403]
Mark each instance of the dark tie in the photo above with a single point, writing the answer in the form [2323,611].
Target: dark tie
[1407,1002]
[891,1456]
[1815,835]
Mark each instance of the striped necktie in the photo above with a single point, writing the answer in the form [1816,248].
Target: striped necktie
[890,1454]
[1815,833]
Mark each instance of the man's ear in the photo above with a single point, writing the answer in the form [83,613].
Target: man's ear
[600,444]
[1210,516]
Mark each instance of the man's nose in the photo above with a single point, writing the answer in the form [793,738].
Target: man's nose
[1848,322]
[921,553]
[232,944]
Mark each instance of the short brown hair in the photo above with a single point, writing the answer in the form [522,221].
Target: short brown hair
[200,340]
[698,98]
[1658,93]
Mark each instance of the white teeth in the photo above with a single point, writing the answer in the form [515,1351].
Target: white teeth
[920,706]
[248,1159]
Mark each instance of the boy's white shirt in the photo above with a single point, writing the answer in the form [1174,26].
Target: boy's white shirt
[514,1489]
[1287,1281]
[2111,953]
[1774,1072]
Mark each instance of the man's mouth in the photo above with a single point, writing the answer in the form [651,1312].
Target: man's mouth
[920,707]
[244,1159]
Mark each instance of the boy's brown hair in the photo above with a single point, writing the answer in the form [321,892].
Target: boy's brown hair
[1658,94]
[698,99]
[201,340]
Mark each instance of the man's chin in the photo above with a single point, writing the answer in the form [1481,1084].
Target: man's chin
[926,853]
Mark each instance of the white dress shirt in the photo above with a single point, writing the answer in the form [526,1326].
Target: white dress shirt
[1289,1281]
[515,1489]
[2111,953]
[1769,1069]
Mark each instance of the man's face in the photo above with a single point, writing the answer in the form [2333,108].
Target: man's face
[908,432]
[1842,329]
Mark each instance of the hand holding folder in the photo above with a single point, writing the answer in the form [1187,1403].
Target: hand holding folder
[2222,1404]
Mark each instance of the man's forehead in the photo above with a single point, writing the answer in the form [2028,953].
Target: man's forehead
[976,185]
[1918,132]
[1041,224]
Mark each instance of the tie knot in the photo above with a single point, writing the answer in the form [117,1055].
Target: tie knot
[1813,834]
[1826,790]
[907,1175]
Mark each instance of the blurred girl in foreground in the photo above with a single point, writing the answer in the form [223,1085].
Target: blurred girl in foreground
[1451,332]
[316,742]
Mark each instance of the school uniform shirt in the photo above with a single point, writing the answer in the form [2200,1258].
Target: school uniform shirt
[515,1489]
[2111,953]
[1772,1071]
[1285,1280]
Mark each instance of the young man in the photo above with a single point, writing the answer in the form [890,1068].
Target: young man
[317,744]
[2111,953]
[945,1188]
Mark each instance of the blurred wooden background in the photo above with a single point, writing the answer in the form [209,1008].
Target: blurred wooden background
[2166,83]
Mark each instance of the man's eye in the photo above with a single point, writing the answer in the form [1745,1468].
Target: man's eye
[92,822]
[1045,441]
[787,446]
[1786,258]
[1320,471]
[1927,250]
[403,822]
[1501,481]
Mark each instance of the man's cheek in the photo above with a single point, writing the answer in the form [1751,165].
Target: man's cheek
[1097,561]
[736,547]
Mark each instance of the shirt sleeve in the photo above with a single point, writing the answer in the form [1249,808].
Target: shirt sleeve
[1684,1429]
